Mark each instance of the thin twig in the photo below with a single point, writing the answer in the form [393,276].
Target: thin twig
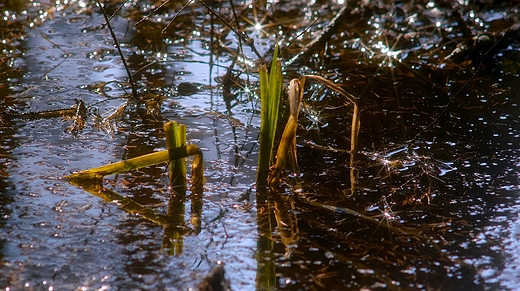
[171,21]
[327,32]
[114,14]
[244,37]
[155,10]
[135,97]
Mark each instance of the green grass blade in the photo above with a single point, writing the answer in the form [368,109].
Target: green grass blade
[274,95]
[264,150]
[270,96]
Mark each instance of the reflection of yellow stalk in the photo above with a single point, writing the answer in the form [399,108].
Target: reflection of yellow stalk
[126,203]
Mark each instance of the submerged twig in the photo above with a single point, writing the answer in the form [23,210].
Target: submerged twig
[512,32]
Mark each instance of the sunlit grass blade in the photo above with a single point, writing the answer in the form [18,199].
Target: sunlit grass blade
[270,98]
[274,95]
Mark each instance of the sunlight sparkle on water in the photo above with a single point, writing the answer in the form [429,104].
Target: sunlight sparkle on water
[387,51]
[246,61]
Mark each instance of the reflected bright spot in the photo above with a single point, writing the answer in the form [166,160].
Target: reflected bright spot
[246,61]
[387,51]
[258,26]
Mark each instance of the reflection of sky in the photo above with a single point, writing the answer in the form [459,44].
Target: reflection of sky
[510,276]
[61,232]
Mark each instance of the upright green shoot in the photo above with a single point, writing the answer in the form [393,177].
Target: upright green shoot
[270,98]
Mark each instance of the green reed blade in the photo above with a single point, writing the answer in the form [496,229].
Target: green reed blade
[270,98]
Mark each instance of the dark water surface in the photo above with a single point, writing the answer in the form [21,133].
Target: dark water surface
[443,203]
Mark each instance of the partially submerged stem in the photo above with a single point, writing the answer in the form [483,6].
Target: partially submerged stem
[356,124]
[136,163]
[176,138]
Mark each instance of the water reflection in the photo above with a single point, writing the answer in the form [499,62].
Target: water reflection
[435,213]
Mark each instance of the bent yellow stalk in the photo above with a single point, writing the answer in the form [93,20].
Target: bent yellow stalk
[356,124]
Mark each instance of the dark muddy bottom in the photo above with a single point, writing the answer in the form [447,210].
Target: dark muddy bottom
[435,203]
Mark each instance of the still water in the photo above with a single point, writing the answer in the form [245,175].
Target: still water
[444,201]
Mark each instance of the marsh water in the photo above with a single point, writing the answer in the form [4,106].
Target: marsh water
[435,203]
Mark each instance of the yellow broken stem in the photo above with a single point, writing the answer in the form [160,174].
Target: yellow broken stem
[175,154]
[176,138]
[136,163]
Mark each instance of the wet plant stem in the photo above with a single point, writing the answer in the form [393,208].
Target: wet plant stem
[176,138]
[136,163]
[134,95]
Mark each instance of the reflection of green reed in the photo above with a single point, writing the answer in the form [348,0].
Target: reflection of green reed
[175,154]
[270,96]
